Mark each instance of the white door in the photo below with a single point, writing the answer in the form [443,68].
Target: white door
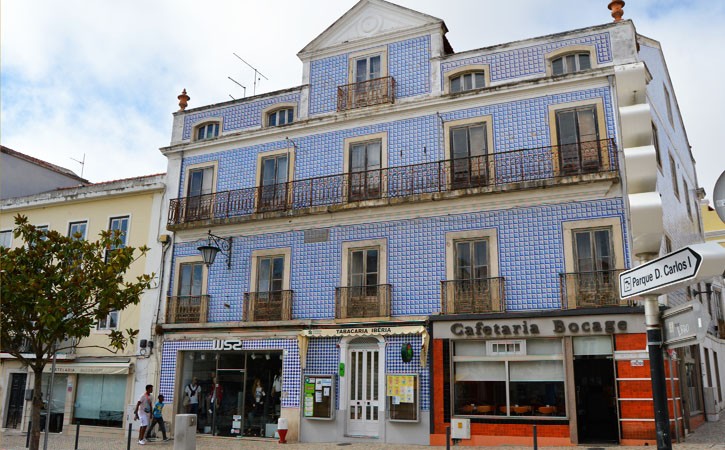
[364,402]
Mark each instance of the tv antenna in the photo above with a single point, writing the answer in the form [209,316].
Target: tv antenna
[240,84]
[82,162]
[256,73]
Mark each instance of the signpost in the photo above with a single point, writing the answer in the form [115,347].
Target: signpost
[682,267]
[685,325]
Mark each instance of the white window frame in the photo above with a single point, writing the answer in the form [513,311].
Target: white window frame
[349,246]
[354,57]
[77,222]
[570,50]
[276,108]
[284,252]
[214,165]
[103,324]
[6,235]
[203,124]
[472,68]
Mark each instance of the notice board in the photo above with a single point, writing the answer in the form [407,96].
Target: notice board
[402,397]
[318,397]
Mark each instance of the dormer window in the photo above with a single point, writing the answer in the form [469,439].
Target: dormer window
[573,62]
[207,131]
[280,117]
[468,81]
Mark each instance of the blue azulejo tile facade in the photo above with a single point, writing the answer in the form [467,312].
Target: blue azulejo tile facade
[517,125]
[530,247]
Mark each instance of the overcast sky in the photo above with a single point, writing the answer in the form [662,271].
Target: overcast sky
[100,78]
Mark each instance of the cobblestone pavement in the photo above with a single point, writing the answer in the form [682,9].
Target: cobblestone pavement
[711,435]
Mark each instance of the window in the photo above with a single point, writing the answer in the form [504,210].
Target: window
[207,131]
[188,301]
[686,196]
[668,244]
[120,224]
[77,230]
[509,378]
[200,181]
[571,63]
[191,278]
[656,144]
[199,187]
[110,322]
[368,68]
[364,170]
[469,150]
[673,173]
[6,238]
[273,183]
[280,117]
[593,250]
[578,140]
[468,81]
[363,291]
[270,297]
[270,274]
[668,104]
[364,270]
[472,284]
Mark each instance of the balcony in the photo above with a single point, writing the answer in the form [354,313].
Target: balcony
[503,171]
[590,289]
[362,301]
[377,91]
[472,296]
[267,306]
[187,309]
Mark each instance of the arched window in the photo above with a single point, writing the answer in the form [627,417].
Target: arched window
[468,81]
[573,62]
[280,117]
[207,130]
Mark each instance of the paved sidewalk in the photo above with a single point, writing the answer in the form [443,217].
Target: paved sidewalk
[711,435]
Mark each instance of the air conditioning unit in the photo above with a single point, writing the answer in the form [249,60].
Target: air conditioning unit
[461,428]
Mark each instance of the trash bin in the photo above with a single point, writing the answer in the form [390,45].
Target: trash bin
[185,432]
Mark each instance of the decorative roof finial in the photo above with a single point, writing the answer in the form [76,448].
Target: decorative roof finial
[183,100]
[616,6]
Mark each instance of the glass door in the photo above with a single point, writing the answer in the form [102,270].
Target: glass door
[228,393]
[363,402]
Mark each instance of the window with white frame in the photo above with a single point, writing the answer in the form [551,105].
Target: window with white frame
[468,81]
[368,68]
[200,181]
[120,225]
[77,230]
[280,117]
[364,167]
[517,379]
[207,131]
[6,238]
[273,182]
[578,139]
[469,150]
[571,63]
[191,277]
[110,322]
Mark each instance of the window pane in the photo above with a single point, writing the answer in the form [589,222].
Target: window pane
[570,63]
[481,371]
[357,158]
[478,140]
[456,84]
[374,67]
[584,63]
[373,155]
[278,268]
[198,270]
[470,348]
[557,66]
[281,169]
[195,179]
[567,127]
[536,371]
[372,261]
[467,82]
[264,275]
[356,268]
[273,119]
[290,115]
[361,70]
[583,251]
[459,140]
[543,347]
[587,125]
[480,80]
[463,261]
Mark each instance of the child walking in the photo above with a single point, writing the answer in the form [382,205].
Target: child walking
[158,418]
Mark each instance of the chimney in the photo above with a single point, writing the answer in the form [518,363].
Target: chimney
[184,99]
[616,6]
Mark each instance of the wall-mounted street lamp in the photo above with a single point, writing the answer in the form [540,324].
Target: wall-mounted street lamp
[214,245]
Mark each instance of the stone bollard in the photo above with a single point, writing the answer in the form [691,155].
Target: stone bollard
[185,432]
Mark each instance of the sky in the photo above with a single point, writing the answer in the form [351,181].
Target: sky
[99,79]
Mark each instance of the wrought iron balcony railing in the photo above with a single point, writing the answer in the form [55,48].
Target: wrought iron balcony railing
[187,309]
[472,296]
[362,301]
[272,305]
[377,91]
[590,289]
[514,170]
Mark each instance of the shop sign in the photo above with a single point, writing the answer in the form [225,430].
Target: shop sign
[227,344]
[363,331]
[560,326]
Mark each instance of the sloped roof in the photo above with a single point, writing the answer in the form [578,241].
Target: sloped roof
[43,164]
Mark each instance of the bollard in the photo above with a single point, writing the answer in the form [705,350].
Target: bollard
[448,438]
[282,430]
[27,438]
[78,432]
[130,431]
[536,443]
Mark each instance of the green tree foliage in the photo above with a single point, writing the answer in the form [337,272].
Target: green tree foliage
[54,289]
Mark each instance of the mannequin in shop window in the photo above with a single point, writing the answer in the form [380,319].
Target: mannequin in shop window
[276,391]
[215,395]
[256,414]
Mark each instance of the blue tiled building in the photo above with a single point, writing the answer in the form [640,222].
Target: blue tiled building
[414,236]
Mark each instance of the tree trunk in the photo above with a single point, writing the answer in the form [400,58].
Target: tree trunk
[37,406]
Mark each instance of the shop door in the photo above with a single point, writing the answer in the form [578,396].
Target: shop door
[228,402]
[364,403]
[596,402]
[15,404]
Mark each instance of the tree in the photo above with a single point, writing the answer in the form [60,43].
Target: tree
[54,289]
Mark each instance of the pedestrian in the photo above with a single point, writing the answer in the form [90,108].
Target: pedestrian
[193,393]
[142,413]
[158,418]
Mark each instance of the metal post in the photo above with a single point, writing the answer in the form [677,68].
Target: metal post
[448,438]
[27,438]
[78,432]
[657,372]
[536,441]
[50,397]
[130,430]
[674,400]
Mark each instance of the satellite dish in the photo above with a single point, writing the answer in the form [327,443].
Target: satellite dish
[719,196]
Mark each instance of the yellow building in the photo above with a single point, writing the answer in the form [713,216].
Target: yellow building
[91,385]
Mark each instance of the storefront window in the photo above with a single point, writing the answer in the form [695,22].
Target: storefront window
[57,400]
[100,400]
[238,392]
[526,381]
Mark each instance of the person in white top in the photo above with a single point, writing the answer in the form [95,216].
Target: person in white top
[193,392]
[143,412]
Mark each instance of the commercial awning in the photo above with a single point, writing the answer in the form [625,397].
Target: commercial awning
[104,368]
[304,335]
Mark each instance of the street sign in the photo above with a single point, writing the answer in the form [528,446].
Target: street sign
[685,325]
[682,267]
